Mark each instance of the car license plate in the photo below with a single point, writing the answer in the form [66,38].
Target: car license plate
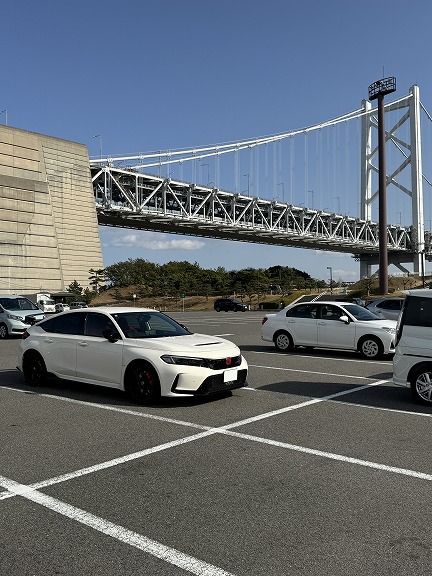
[230,376]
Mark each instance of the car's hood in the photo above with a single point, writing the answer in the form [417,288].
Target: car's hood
[384,323]
[195,344]
[23,313]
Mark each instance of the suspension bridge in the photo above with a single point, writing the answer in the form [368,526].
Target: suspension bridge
[315,187]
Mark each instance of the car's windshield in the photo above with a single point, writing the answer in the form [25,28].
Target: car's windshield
[17,304]
[148,325]
[360,313]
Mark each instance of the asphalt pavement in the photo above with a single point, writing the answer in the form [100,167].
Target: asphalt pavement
[320,466]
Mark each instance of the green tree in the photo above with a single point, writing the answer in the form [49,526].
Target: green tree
[97,279]
[76,289]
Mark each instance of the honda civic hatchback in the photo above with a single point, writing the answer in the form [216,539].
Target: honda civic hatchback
[139,350]
[330,325]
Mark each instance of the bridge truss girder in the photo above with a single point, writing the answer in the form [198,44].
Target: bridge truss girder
[130,199]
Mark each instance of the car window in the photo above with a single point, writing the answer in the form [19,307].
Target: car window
[418,312]
[64,324]
[329,312]
[303,311]
[360,313]
[96,323]
[148,325]
[17,304]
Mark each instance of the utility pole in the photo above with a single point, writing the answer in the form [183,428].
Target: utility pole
[378,90]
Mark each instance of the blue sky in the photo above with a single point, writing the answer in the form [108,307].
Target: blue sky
[165,74]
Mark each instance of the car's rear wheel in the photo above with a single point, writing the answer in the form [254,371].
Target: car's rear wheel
[371,347]
[421,385]
[217,309]
[34,368]
[142,383]
[283,341]
[3,331]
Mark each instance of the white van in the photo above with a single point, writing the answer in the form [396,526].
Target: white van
[16,314]
[412,362]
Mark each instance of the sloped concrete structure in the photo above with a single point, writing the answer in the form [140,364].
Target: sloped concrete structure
[49,233]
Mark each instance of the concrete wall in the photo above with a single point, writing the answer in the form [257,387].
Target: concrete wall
[49,234]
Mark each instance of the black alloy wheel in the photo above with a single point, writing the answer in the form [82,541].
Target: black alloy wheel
[142,383]
[34,368]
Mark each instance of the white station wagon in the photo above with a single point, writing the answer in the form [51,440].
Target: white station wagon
[330,325]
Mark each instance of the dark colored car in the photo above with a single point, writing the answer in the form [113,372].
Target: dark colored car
[227,304]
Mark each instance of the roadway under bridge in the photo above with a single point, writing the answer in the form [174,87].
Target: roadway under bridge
[130,199]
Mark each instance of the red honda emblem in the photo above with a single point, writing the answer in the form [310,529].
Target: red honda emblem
[228,361]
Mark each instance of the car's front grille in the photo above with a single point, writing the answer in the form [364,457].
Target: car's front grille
[222,363]
[215,384]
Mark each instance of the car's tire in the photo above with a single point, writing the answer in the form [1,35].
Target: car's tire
[217,309]
[421,384]
[3,331]
[371,347]
[283,341]
[142,383]
[34,368]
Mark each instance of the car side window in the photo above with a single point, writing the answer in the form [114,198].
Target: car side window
[419,312]
[64,324]
[331,312]
[96,323]
[303,311]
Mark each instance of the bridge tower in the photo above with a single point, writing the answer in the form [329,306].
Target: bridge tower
[412,158]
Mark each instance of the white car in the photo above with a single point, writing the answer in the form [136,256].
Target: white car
[330,325]
[139,350]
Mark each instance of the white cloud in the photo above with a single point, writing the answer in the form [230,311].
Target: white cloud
[160,243]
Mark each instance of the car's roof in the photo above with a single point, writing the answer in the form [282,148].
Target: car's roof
[112,309]
[328,302]
[421,292]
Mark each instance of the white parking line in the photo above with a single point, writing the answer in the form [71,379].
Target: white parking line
[312,372]
[165,553]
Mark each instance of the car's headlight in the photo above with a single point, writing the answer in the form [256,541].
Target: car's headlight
[185,360]
[389,330]
[13,317]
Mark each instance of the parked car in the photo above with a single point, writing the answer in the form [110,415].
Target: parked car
[139,350]
[412,362]
[389,308]
[61,307]
[227,304]
[330,325]
[75,305]
[16,314]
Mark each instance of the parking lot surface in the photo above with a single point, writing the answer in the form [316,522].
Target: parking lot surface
[319,467]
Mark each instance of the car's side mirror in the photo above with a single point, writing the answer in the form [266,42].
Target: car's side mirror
[111,335]
[344,319]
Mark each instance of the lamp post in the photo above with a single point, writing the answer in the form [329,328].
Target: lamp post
[378,90]
[100,144]
[331,278]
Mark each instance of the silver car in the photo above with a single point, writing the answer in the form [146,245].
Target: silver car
[387,308]
[16,314]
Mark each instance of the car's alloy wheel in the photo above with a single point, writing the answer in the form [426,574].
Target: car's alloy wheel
[3,331]
[142,383]
[34,369]
[421,385]
[283,341]
[371,348]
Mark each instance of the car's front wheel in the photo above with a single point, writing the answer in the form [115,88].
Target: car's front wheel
[421,385]
[217,309]
[142,383]
[3,331]
[34,368]
[283,341]
[371,347]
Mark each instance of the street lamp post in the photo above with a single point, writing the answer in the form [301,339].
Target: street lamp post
[100,144]
[378,90]
[331,278]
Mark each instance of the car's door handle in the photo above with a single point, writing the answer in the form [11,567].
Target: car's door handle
[322,323]
[83,344]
